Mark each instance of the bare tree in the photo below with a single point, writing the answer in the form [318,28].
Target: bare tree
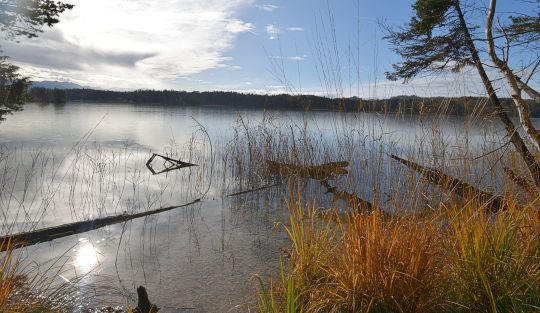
[438,38]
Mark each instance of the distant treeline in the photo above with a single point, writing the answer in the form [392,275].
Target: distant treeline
[400,104]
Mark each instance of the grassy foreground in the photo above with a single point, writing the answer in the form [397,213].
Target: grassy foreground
[458,260]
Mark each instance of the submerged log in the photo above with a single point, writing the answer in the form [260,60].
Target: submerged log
[351,198]
[51,233]
[321,172]
[465,190]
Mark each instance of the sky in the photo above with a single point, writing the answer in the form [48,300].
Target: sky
[330,47]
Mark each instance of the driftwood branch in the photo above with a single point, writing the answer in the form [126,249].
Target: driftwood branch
[168,163]
[465,190]
[51,233]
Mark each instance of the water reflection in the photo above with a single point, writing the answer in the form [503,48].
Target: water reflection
[201,256]
[87,256]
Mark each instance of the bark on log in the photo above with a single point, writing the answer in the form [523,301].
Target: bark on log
[47,234]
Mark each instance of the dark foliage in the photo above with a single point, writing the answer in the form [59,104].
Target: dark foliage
[22,18]
[400,104]
[44,95]
[524,30]
[27,17]
[432,41]
[13,88]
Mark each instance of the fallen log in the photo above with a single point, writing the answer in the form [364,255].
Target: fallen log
[47,234]
[321,172]
[465,190]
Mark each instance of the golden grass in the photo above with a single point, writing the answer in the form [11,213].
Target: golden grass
[22,290]
[496,260]
[9,263]
[461,259]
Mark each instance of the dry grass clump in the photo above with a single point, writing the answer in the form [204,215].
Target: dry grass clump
[496,260]
[9,262]
[461,259]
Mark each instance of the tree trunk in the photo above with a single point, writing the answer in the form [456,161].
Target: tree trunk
[511,130]
[523,109]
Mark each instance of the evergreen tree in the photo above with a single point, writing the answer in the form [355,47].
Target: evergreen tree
[13,88]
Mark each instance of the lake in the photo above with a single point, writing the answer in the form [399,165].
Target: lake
[80,161]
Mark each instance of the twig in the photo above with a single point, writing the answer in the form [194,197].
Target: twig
[253,190]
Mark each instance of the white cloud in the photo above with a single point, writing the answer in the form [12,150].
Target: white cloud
[297,58]
[131,44]
[291,58]
[268,7]
[272,31]
[295,29]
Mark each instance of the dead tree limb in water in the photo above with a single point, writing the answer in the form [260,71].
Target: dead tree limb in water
[351,198]
[323,173]
[51,233]
[168,164]
[465,190]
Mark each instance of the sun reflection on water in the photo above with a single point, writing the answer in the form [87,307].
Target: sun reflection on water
[86,257]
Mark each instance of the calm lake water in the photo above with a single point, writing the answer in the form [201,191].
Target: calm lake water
[78,161]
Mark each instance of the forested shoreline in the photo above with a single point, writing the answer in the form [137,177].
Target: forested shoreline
[399,104]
